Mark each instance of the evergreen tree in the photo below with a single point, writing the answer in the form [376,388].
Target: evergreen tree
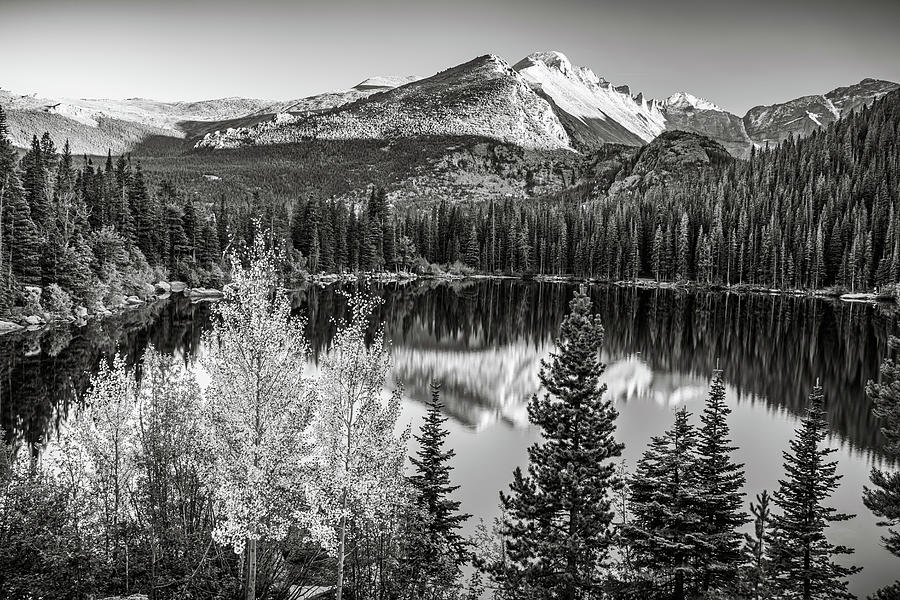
[721,481]
[435,548]
[472,258]
[222,222]
[192,232]
[666,531]
[35,180]
[802,556]
[559,515]
[20,234]
[142,213]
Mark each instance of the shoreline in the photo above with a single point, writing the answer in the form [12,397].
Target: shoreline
[79,315]
[163,290]
[886,296]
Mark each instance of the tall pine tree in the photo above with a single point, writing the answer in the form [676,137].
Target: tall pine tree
[802,556]
[665,532]
[559,515]
[721,499]
[435,549]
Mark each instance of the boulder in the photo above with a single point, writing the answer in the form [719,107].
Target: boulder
[33,320]
[100,309]
[162,287]
[210,293]
[8,326]
[133,300]
[33,292]
[80,312]
[147,290]
[177,286]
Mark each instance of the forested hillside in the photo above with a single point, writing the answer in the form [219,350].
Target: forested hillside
[90,236]
[808,214]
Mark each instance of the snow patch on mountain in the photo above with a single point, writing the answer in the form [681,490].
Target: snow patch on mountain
[386,81]
[685,101]
[581,94]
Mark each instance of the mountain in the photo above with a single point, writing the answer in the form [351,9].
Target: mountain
[95,126]
[594,111]
[543,102]
[775,123]
[686,112]
[484,98]
[329,100]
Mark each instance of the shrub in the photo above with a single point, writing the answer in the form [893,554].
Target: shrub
[458,268]
[41,554]
[57,301]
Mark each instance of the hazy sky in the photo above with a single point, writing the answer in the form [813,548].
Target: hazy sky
[737,54]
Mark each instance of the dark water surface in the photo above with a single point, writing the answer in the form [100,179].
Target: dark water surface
[483,340]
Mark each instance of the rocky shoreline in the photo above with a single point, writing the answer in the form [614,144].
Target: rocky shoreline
[886,295]
[34,319]
[161,290]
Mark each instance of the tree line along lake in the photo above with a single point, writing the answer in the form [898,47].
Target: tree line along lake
[483,340]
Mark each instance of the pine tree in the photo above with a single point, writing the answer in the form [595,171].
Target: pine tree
[721,481]
[178,243]
[142,213]
[20,234]
[801,554]
[436,550]
[35,180]
[883,499]
[192,232]
[683,248]
[559,514]
[666,531]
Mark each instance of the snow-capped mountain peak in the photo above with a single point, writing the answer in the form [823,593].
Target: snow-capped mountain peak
[552,59]
[593,111]
[684,101]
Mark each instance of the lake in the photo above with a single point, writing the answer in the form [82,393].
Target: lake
[484,340]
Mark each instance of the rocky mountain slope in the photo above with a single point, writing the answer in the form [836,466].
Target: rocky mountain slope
[484,97]
[329,100]
[685,112]
[94,126]
[775,123]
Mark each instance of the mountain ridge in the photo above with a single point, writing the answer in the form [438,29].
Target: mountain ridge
[542,102]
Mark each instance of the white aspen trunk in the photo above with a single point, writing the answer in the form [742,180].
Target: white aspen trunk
[251,569]
[340,556]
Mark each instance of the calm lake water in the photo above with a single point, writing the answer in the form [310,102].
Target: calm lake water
[483,340]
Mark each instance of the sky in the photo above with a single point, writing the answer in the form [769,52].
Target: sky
[736,54]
